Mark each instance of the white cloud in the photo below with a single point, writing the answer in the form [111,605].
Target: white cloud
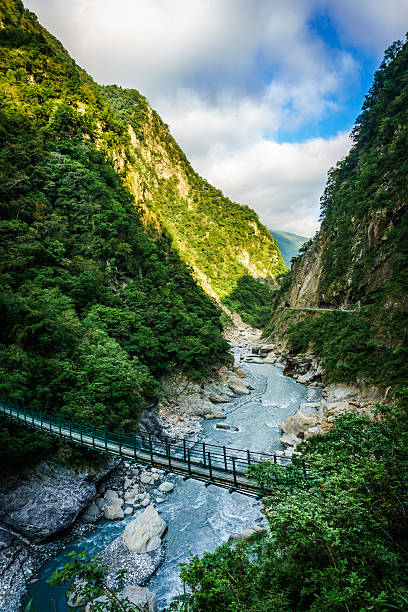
[282,182]
[371,24]
[228,75]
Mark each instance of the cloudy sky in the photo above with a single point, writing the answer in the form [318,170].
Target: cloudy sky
[260,94]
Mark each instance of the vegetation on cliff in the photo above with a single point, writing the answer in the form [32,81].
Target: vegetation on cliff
[360,255]
[93,310]
[223,242]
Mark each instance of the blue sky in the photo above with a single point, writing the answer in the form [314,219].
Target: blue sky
[260,94]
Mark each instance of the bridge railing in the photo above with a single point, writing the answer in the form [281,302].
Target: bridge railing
[203,458]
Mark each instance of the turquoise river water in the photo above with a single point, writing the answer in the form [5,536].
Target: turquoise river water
[199,518]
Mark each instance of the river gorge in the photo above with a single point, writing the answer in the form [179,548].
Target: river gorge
[199,518]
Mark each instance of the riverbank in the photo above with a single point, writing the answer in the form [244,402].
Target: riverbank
[254,418]
[246,406]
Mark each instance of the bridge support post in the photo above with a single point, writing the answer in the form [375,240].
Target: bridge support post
[151,449]
[204,453]
[184,449]
[120,444]
[234,470]
[169,454]
[189,461]
[225,457]
[249,457]
[210,466]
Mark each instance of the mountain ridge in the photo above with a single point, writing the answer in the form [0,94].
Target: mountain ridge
[289,244]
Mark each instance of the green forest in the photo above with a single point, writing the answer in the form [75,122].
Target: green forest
[93,310]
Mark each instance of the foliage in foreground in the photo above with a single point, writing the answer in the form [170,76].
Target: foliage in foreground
[338,538]
[86,577]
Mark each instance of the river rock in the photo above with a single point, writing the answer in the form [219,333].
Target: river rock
[226,426]
[128,511]
[128,483]
[144,503]
[299,422]
[240,373]
[166,487]
[111,497]
[214,397]
[139,566]
[246,534]
[47,498]
[113,513]
[131,493]
[237,386]
[290,440]
[91,514]
[216,413]
[76,598]
[144,533]
[201,407]
[143,599]
[100,502]
[313,431]
[146,478]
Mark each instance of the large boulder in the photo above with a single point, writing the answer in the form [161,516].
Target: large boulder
[114,513]
[299,423]
[142,599]
[144,533]
[200,407]
[47,498]
[247,533]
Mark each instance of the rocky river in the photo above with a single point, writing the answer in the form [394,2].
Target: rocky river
[198,518]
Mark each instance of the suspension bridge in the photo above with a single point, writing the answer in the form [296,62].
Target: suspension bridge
[209,463]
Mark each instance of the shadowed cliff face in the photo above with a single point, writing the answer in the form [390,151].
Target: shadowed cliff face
[360,255]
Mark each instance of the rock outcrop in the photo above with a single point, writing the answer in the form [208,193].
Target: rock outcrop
[46,499]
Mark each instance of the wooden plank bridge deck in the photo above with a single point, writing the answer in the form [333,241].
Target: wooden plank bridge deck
[214,465]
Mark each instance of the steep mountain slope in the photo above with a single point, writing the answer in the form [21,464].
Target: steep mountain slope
[221,240]
[288,244]
[360,255]
[93,309]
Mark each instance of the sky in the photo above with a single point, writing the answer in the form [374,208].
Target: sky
[260,94]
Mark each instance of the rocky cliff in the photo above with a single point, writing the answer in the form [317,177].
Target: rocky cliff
[359,257]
